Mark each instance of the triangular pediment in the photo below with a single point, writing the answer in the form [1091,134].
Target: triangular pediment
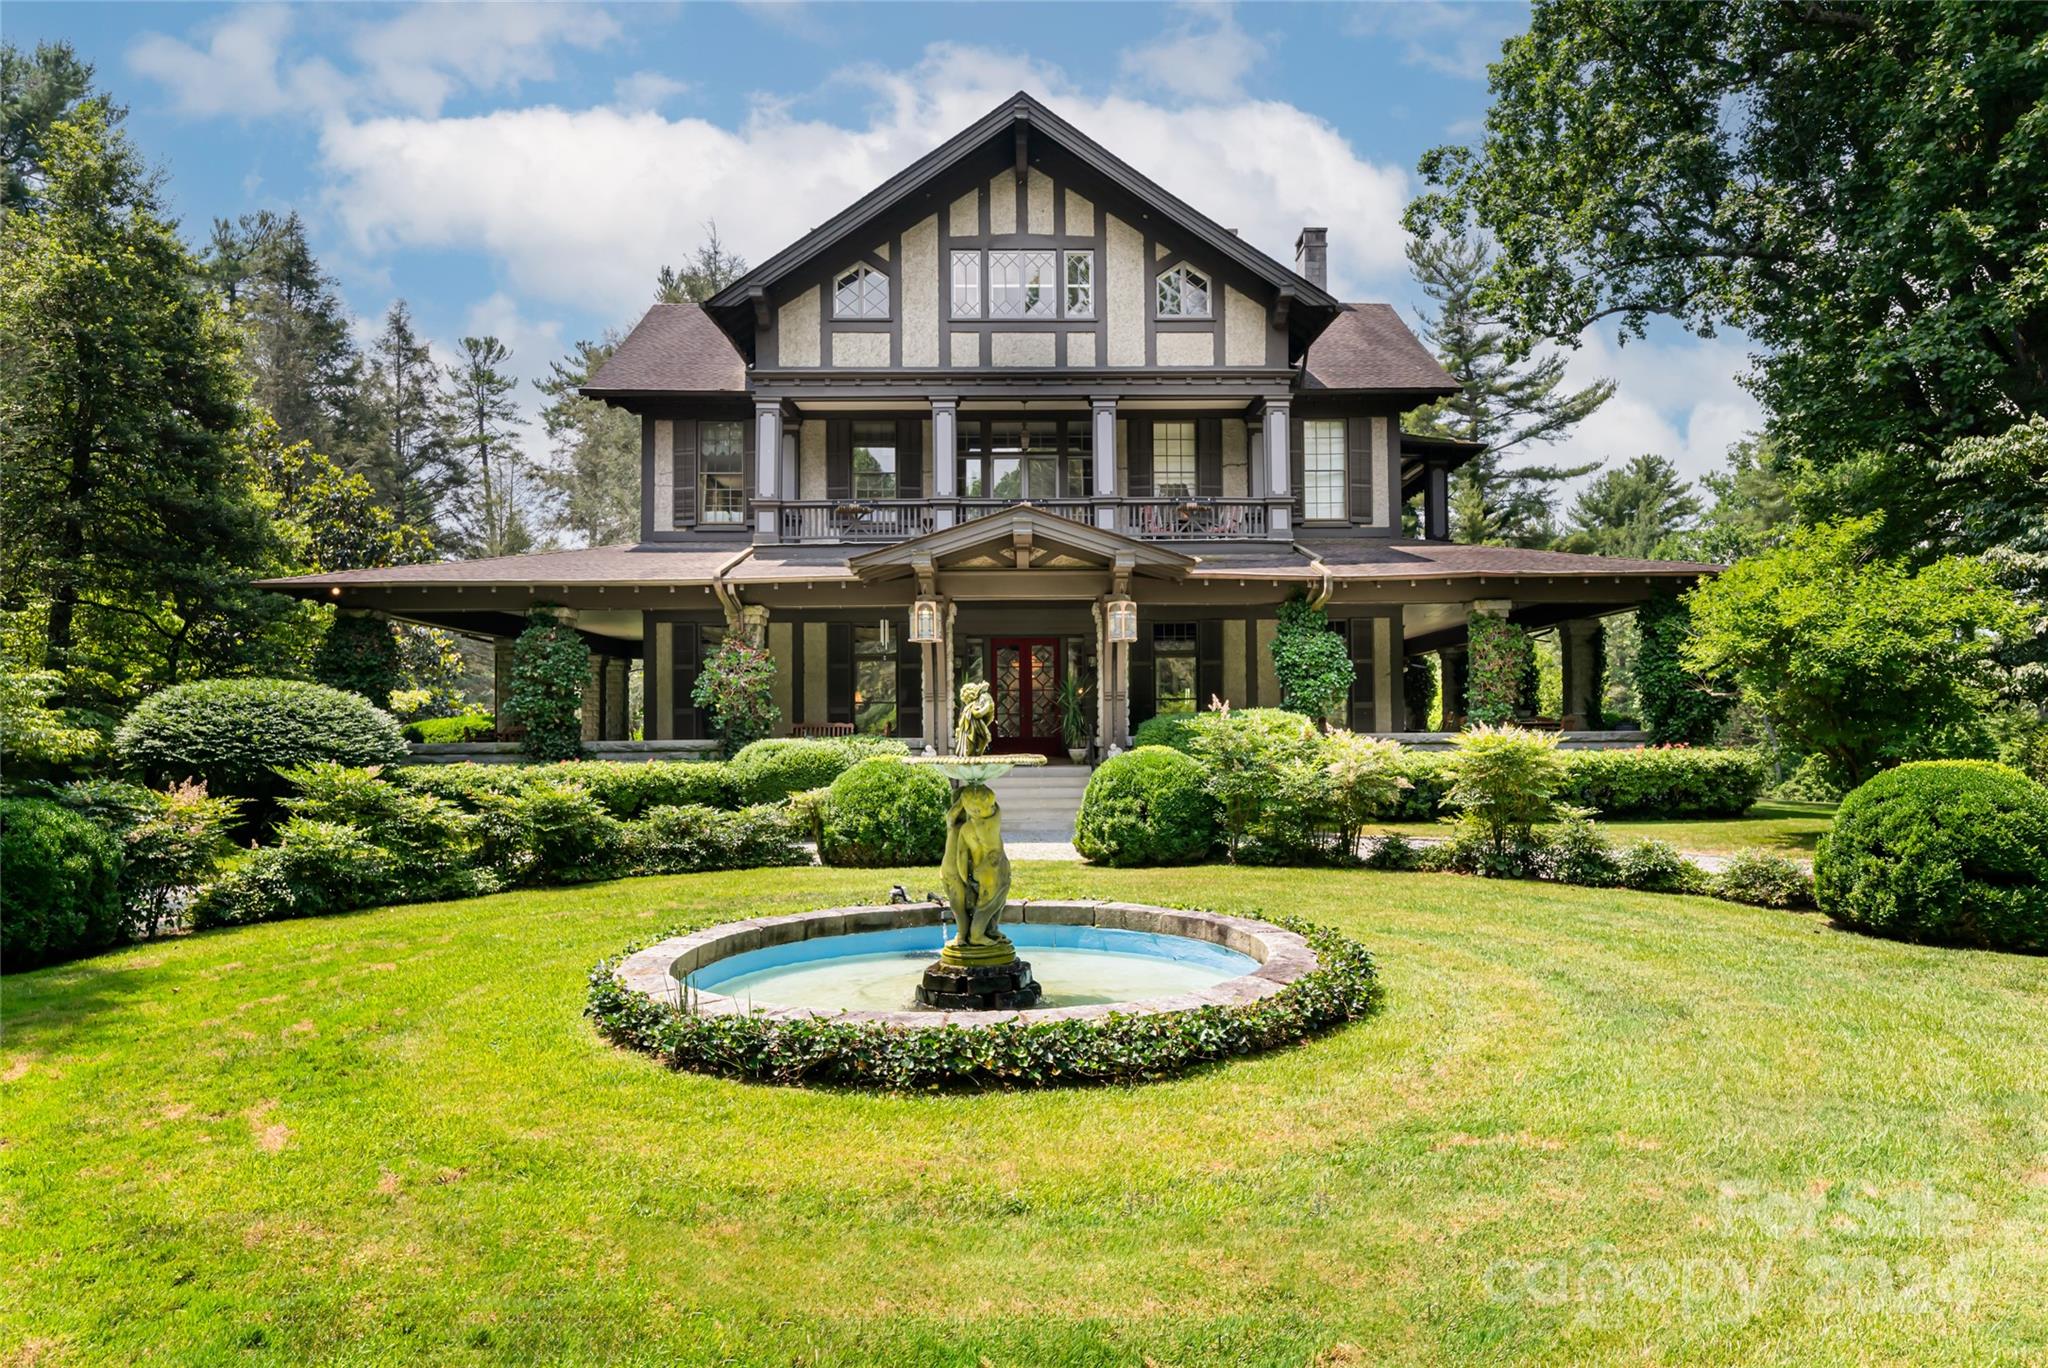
[1024,121]
[1023,539]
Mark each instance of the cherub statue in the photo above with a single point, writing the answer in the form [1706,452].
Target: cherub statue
[977,710]
[976,868]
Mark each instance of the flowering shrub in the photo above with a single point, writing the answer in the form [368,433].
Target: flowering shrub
[737,686]
[1501,660]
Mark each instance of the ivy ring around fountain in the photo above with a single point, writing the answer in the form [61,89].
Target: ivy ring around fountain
[882,996]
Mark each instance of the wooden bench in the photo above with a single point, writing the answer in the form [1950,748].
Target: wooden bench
[816,729]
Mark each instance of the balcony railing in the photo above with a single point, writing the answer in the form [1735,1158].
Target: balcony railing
[871,520]
[1192,519]
[892,520]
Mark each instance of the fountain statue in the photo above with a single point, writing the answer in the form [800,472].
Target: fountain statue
[978,969]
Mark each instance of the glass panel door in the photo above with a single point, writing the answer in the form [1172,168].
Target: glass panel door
[1027,691]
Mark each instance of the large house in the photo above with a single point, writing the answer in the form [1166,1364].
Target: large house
[1021,415]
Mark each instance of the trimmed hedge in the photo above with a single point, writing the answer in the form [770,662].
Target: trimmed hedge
[1178,730]
[884,812]
[1672,781]
[1146,806]
[448,731]
[235,735]
[60,896]
[687,840]
[624,789]
[1117,1048]
[770,771]
[1949,851]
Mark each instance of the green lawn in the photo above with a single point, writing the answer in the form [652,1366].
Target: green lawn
[1783,828]
[1589,1127]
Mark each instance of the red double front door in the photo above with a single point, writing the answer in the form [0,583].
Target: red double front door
[1025,676]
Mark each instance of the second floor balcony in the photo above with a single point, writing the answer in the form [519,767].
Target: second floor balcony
[1156,518]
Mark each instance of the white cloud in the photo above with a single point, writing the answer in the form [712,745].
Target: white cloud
[646,90]
[244,64]
[1205,56]
[582,206]
[1680,398]
[1457,40]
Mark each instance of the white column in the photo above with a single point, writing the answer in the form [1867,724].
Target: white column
[1279,478]
[1103,410]
[767,470]
[945,460]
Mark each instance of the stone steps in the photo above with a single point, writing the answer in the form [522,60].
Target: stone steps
[1041,804]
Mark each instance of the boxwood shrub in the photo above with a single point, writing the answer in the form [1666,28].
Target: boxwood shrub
[314,870]
[235,735]
[1665,781]
[624,789]
[1117,1048]
[1949,851]
[1146,806]
[770,771]
[884,812]
[688,840]
[447,731]
[60,884]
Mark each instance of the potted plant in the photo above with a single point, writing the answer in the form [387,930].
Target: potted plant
[1074,719]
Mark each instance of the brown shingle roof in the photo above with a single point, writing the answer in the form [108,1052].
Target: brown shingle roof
[1362,560]
[1368,347]
[675,349]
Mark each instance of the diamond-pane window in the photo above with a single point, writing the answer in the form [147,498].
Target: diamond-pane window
[1183,293]
[862,292]
[966,284]
[1080,284]
[1023,284]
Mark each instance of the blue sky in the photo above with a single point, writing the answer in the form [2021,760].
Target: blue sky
[524,169]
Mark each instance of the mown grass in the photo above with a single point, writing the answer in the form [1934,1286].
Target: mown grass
[1589,1127]
[1782,828]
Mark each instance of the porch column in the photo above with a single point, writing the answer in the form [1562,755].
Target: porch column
[767,472]
[1453,659]
[938,682]
[1255,457]
[945,463]
[1279,476]
[1103,410]
[1578,642]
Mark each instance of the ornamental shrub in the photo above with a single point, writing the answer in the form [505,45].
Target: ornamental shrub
[432,843]
[1500,662]
[315,869]
[1394,853]
[1147,806]
[1312,663]
[174,843]
[549,833]
[1575,851]
[1679,705]
[60,884]
[1949,851]
[624,789]
[736,684]
[448,731]
[1657,867]
[689,839]
[550,670]
[1763,880]
[359,653]
[234,735]
[1179,730]
[1506,781]
[770,771]
[1675,781]
[1245,761]
[1429,776]
[884,812]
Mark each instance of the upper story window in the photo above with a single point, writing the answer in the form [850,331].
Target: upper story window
[874,460]
[1080,284]
[1173,460]
[862,292]
[1037,459]
[967,284]
[1322,469]
[1183,293]
[723,475]
[1021,284]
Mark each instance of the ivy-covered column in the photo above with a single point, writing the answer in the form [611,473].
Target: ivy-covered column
[1502,658]
[1454,661]
[1579,654]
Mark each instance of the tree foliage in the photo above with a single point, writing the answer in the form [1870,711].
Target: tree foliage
[1856,187]
[482,424]
[593,480]
[36,91]
[359,654]
[1638,510]
[1508,399]
[710,269]
[1852,655]
[1680,706]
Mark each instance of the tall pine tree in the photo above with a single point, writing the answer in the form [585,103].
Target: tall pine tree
[593,479]
[1639,510]
[406,457]
[1509,399]
[482,424]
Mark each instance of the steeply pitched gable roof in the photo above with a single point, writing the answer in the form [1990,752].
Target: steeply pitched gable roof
[1368,347]
[1019,111]
[675,349]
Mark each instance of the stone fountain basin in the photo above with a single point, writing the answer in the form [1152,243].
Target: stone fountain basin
[660,971]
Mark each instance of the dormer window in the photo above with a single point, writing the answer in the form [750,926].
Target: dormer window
[1183,293]
[862,292]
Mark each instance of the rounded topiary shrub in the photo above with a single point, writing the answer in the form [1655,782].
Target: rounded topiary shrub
[1950,851]
[884,812]
[60,877]
[234,735]
[770,771]
[1146,806]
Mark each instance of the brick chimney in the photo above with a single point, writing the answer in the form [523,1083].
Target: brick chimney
[1312,256]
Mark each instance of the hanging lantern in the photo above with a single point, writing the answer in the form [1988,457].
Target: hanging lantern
[1123,620]
[924,621]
